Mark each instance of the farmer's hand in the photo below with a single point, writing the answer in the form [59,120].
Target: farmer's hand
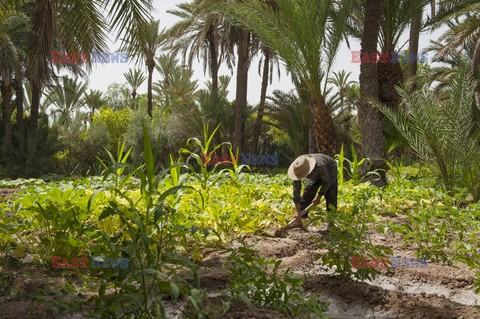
[316,201]
[297,212]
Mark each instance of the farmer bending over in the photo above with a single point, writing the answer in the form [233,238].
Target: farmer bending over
[320,172]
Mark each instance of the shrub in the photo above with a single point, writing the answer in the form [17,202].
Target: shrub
[444,132]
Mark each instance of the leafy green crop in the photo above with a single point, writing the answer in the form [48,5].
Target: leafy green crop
[258,281]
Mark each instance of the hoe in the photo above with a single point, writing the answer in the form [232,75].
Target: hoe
[281,231]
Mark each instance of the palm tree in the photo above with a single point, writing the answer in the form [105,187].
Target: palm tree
[269,60]
[443,130]
[94,101]
[395,19]
[463,20]
[12,54]
[197,35]
[67,98]
[135,80]
[415,28]
[176,86]
[369,119]
[291,115]
[203,32]
[77,26]
[306,35]
[145,51]
[341,82]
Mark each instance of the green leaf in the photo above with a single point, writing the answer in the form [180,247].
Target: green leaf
[175,290]
[107,211]
[148,157]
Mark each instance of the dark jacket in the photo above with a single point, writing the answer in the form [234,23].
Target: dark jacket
[325,172]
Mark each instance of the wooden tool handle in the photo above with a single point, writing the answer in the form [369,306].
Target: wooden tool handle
[303,212]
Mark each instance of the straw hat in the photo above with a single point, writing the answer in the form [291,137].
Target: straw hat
[301,167]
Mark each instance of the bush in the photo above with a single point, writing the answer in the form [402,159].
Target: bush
[116,123]
[31,155]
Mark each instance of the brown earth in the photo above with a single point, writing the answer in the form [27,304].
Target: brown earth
[438,291]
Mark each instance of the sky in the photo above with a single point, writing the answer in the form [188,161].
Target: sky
[103,75]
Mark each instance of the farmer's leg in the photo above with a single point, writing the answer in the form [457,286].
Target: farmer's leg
[311,189]
[331,199]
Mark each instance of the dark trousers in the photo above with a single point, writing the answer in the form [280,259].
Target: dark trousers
[310,192]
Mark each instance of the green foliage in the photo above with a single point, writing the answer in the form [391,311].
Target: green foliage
[204,157]
[291,116]
[31,155]
[116,122]
[353,167]
[443,131]
[312,27]
[176,87]
[146,237]
[157,221]
[258,281]
[349,236]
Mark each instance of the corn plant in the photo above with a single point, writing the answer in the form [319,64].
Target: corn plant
[202,160]
[147,236]
[354,168]
[117,165]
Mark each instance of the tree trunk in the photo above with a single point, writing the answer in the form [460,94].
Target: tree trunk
[312,143]
[6,113]
[35,105]
[325,133]
[413,42]
[369,118]
[241,94]
[212,43]
[150,66]
[476,73]
[261,106]
[19,103]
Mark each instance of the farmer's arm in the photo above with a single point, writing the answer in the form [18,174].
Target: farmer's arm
[297,187]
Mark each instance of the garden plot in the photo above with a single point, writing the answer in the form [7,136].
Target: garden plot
[438,291]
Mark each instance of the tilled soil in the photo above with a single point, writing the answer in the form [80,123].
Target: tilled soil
[438,291]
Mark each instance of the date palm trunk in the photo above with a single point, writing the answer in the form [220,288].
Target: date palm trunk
[369,118]
[261,106]
[35,105]
[476,73]
[241,93]
[324,128]
[212,43]
[312,143]
[415,27]
[6,112]
[19,104]
[150,67]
